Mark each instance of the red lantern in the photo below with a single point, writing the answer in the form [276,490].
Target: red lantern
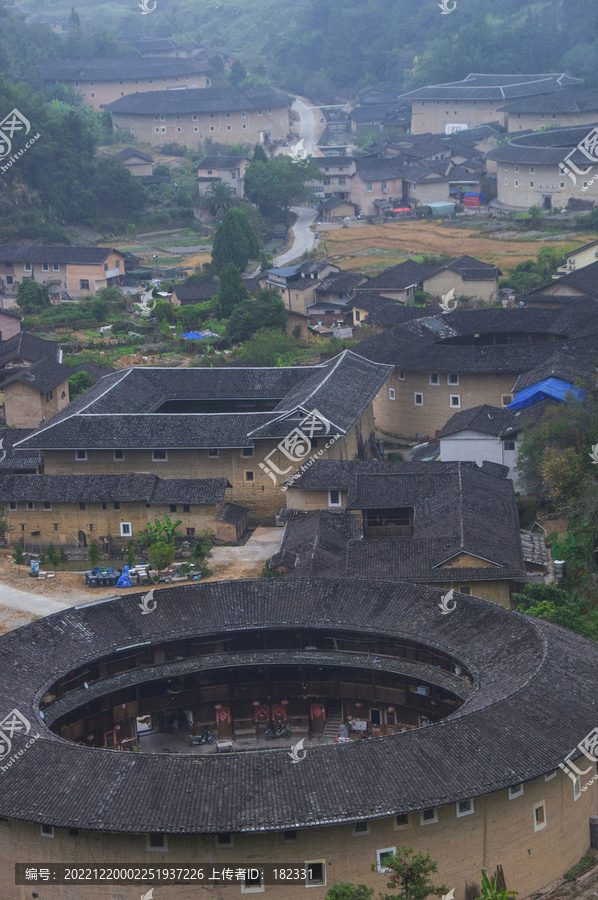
[218,706]
[90,738]
[117,727]
[359,704]
[256,703]
[285,702]
[391,709]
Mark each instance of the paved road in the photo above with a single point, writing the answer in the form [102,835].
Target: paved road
[304,238]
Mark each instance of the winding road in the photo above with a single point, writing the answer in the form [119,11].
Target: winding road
[303,236]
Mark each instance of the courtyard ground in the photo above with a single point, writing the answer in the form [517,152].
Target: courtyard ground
[23,599]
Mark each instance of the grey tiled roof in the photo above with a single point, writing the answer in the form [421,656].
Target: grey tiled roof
[196,293]
[233,513]
[433,343]
[27,251]
[543,147]
[341,282]
[44,375]
[128,152]
[199,100]
[10,311]
[27,347]
[400,276]
[121,67]
[120,410]
[492,87]
[220,162]
[103,488]
[17,459]
[560,103]
[458,508]
[525,687]
[584,280]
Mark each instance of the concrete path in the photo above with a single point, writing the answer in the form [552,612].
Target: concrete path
[303,238]
[251,557]
[33,603]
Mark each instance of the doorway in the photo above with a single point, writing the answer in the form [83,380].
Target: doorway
[547,202]
[82,539]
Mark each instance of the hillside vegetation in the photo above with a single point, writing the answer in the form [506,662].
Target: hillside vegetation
[318,48]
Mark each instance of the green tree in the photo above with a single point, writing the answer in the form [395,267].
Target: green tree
[234,242]
[161,555]
[78,383]
[410,875]
[267,311]
[259,154]
[268,348]
[161,170]
[279,184]
[219,197]
[344,891]
[32,297]
[159,531]
[553,604]
[231,291]
[74,21]
[53,556]
[130,552]
[93,554]
[63,556]
[19,557]
[238,72]
[3,526]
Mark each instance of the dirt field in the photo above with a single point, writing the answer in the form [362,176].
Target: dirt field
[374,247]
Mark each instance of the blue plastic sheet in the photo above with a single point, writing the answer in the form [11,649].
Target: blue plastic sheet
[549,389]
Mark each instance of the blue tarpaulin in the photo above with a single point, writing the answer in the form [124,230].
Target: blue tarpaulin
[550,389]
[199,335]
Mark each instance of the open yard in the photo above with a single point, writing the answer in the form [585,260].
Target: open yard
[371,248]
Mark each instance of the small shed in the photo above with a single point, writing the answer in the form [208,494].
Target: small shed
[231,522]
[442,208]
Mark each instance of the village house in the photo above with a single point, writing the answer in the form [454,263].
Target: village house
[68,272]
[229,169]
[217,423]
[564,108]
[77,509]
[397,282]
[447,525]
[35,393]
[337,209]
[577,259]
[381,313]
[580,281]
[545,169]
[138,163]
[333,184]
[18,462]
[102,81]
[374,178]
[489,433]
[190,117]
[467,277]
[24,349]
[467,358]
[438,182]
[377,116]
[339,286]
[10,323]
[297,284]
[476,100]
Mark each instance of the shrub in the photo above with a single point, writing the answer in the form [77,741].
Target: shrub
[93,554]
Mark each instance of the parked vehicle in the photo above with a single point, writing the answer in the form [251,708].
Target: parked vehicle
[204,737]
[278,730]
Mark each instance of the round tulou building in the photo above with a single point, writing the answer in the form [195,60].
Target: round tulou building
[466,717]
